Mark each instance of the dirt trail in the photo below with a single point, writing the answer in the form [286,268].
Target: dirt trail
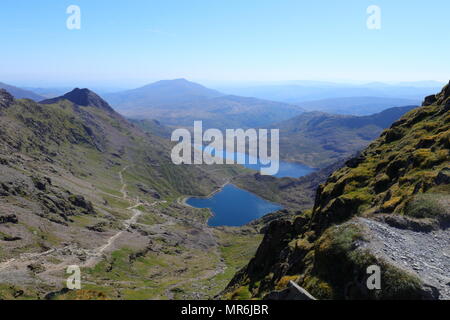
[73,255]
[97,253]
[67,252]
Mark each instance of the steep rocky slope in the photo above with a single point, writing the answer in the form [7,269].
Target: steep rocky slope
[388,207]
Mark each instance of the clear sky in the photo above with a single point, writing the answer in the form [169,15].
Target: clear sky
[134,42]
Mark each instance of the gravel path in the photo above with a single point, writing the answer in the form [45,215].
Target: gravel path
[425,254]
[69,253]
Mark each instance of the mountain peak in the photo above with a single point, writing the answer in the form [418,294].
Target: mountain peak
[163,93]
[6,99]
[174,83]
[180,80]
[82,97]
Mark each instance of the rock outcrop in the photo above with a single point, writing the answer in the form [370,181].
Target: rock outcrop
[6,99]
[8,218]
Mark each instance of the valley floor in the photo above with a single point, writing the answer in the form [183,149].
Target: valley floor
[154,254]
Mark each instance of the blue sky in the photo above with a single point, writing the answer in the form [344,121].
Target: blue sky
[128,43]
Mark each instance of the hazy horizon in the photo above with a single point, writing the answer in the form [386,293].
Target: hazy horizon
[220,84]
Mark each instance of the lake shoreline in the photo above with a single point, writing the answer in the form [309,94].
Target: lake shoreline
[230,210]
[183,200]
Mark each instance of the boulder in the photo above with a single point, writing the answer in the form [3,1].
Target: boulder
[8,218]
[145,189]
[81,202]
[443,177]
[355,162]
[429,100]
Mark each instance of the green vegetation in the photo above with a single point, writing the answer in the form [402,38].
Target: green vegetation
[403,174]
[319,139]
[60,165]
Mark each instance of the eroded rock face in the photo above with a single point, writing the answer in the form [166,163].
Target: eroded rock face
[429,100]
[148,191]
[81,202]
[444,96]
[6,99]
[8,218]
[443,177]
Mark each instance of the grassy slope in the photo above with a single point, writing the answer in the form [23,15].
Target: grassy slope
[404,172]
[81,150]
[319,139]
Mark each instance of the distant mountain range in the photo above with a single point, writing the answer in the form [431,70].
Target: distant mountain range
[20,93]
[318,139]
[358,106]
[300,91]
[49,92]
[180,102]
[165,93]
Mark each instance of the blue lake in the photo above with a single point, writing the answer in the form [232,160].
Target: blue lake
[234,207]
[286,169]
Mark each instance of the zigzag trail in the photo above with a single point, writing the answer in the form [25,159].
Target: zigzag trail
[95,255]
[70,254]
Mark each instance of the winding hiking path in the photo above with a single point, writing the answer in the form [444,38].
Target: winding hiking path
[98,252]
[69,255]
[94,255]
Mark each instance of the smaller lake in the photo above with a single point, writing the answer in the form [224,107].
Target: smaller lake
[286,169]
[234,207]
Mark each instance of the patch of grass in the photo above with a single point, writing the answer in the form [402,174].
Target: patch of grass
[241,293]
[427,205]
[340,269]
[150,219]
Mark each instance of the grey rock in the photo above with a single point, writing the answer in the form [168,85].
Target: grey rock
[6,99]
[443,177]
[8,218]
